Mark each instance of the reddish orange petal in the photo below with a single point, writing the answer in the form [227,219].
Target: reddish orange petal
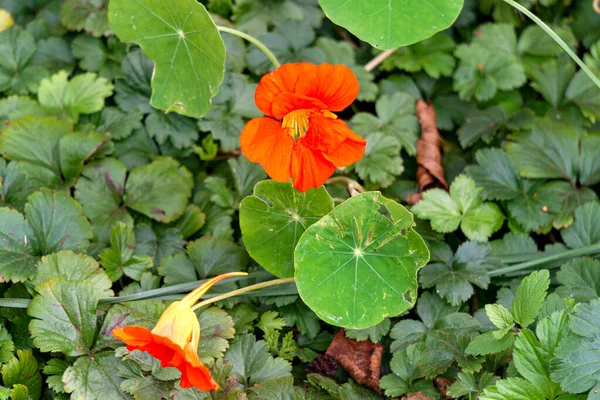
[194,373]
[287,102]
[263,140]
[309,168]
[334,85]
[283,80]
[338,143]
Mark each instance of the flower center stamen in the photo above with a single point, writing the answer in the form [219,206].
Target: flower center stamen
[297,123]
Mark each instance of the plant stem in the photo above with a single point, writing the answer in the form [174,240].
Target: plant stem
[243,290]
[254,41]
[556,38]
[582,251]
[371,65]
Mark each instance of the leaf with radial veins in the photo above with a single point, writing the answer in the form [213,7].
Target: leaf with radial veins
[273,220]
[388,24]
[185,45]
[359,263]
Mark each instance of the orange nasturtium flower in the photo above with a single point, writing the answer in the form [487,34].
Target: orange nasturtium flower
[300,137]
[174,340]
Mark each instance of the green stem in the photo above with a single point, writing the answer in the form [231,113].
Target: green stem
[582,251]
[254,41]
[243,290]
[556,38]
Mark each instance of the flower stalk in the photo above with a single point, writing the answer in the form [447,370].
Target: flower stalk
[254,41]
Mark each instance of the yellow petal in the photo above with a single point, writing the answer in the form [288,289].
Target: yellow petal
[195,294]
[6,20]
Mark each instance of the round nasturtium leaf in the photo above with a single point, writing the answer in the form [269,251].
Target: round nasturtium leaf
[273,220]
[388,24]
[185,45]
[359,263]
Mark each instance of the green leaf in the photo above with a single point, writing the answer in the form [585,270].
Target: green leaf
[585,94]
[585,230]
[404,365]
[466,385]
[64,316]
[533,362]
[84,94]
[118,124]
[54,369]
[392,24]
[185,45]
[487,343]
[381,162]
[481,125]
[275,389]
[216,328]
[76,267]
[579,279]
[17,263]
[488,64]
[252,362]
[88,15]
[374,333]
[94,378]
[23,370]
[495,174]
[433,55]
[120,259]
[529,297]
[550,150]
[288,43]
[100,190]
[212,257]
[454,276]
[372,253]
[395,118]
[180,131]
[22,140]
[19,392]
[17,47]
[576,365]
[499,316]
[159,190]
[57,223]
[96,56]
[159,243]
[273,220]
[534,41]
[512,389]
[551,80]
[463,206]
[7,346]
[133,91]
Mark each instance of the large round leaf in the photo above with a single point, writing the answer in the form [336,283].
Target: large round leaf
[358,264]
[183,41]
[273,220]
[388,24]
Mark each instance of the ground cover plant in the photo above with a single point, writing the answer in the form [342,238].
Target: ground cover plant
[299,199]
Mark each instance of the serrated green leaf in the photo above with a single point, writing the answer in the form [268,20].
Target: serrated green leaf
[216,329]
[487,343]
[529,297]
[84,94]
[88,15]
[22,370]
[100,190]
[433,55]
[185,45]
[512,389]
[75,267]
[18,47]
[133,91]
[120,259]
[17,263]
[55,368]
[454,276]
[551,80]
[159,190]
[252,362]
[579,279]
[64,315]
[495,174]
[499,315]
[374,333]
[381,161]
[463,206]
[273,220]
[94,378]
[585,230]
[118,124]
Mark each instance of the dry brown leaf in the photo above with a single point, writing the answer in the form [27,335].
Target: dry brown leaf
[416,396]
[430,172]
[361,359]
